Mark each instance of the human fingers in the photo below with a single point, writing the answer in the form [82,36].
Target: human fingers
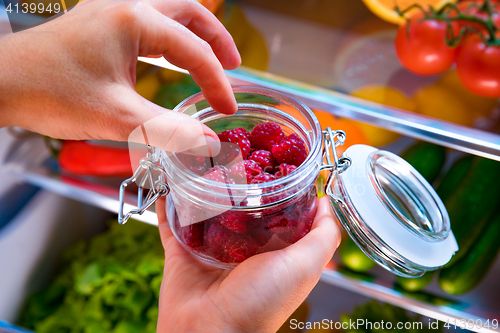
[131,118]
[205,25]
[278,281]
[181,268]
[303,261]
[181,47]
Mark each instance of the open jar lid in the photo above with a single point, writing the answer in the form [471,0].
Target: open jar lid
[392,212]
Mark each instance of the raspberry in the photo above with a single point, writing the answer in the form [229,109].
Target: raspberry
[264,159]
[229,152]
[234,221]
[247,168]
[267,197]
[192,235]
[303,229]
[263,178]
[243,131]
[219,195]
[196,164]
[228,246]
[261,236]
[297,224]
[240,143]
[238,136]
[265,135]
[218,173]
[290,150]
[281,224]
[290,230]
[285,170]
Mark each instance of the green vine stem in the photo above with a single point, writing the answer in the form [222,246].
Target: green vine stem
[444,15]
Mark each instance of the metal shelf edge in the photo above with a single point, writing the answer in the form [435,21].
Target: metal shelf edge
[388,295]
[84,195]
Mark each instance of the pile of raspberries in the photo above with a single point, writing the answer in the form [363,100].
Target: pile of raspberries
[268,154]
[235,236]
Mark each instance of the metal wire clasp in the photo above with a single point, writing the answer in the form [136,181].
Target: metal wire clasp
[152,176]
[332,140]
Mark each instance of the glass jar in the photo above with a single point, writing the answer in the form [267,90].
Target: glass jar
[225,223]
[382,202]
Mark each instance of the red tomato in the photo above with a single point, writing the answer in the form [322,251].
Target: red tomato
[478,66]
[423,49]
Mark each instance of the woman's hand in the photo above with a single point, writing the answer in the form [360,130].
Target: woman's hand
[74,77]
[257,296]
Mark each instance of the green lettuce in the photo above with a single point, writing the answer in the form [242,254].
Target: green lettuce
[108,284]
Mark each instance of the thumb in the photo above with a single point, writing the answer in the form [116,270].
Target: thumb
[143,122]
[170,131]
[175,132]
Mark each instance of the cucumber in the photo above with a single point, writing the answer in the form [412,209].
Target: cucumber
[426,158]
[468,272]
[453,178]
[473,203]
[415,284]
[352,256]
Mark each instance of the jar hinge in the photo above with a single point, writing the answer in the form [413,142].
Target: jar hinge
[336,165]
[150,175]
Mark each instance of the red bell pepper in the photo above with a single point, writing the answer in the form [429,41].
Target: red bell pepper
[83,158]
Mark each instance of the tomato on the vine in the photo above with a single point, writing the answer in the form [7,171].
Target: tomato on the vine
[422,46]
[478,66]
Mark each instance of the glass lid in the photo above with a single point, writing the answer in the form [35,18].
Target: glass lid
[392,213]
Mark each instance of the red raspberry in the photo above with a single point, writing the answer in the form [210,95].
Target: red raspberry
[261,236]
[243,131]
[290,230]
[218,173]
[302,229]
[247,168]
[234,221]
[290,150]
[229,152]
[196,164]
[281,224]
[263,178]
[297,224]
[219,195]
[265,135]
[270,198]
[264,159]
[285,170]
[192,235]
[267,197]
[228,246]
